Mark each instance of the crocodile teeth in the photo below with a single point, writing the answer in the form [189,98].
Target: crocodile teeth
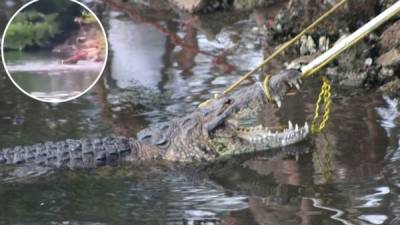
[297,85]
[278,102]
[270,138]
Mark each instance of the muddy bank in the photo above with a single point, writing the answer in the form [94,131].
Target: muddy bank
[374,63]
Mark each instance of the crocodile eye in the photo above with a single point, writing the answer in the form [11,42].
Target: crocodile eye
[228,101]
[225,106]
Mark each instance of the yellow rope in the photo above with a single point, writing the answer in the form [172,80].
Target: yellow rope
[323,98]
[279,50]
[266,88]
[285,46]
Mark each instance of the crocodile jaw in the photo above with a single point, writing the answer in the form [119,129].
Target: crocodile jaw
[265,138]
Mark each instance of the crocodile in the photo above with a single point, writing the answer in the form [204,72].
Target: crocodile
[207,133]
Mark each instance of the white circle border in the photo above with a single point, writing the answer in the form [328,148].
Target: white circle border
[63,100]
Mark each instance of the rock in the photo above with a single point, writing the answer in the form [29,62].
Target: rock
[300,62]
[389,63]
[360,12]
[385,73]
[299,14]
[250,4]
[255,29]
[196,6]
[323,43]
[373,61]
[311,45]
[384,4]
[353,79]
[332,73]
[368,62]
[189,5]
[307,45]
[278,28]
[303,47]
[390,58]
[391,88]
[192,6]
[354,67]
[390,38]
[353,59]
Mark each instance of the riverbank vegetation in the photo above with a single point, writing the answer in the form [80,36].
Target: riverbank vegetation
[42,25]
[31,29]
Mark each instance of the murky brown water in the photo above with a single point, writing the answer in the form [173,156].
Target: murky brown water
[163,65]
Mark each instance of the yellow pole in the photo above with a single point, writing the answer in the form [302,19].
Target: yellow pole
[285,46]
[349,41]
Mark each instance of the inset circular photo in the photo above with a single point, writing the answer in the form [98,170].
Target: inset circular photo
[54,50]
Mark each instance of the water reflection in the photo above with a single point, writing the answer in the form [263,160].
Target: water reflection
[138,50]
[114,197]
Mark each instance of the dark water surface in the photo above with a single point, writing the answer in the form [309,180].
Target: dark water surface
[163,65]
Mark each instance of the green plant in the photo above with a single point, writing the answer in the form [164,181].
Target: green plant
[31,29]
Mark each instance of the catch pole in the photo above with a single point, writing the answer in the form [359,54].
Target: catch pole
[318,63]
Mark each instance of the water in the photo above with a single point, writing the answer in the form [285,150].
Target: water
[109,198]
[41,75]
[350,177]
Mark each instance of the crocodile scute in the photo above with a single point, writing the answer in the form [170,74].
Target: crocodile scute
[84,153]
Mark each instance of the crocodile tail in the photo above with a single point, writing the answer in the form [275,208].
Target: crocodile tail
[84,153]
